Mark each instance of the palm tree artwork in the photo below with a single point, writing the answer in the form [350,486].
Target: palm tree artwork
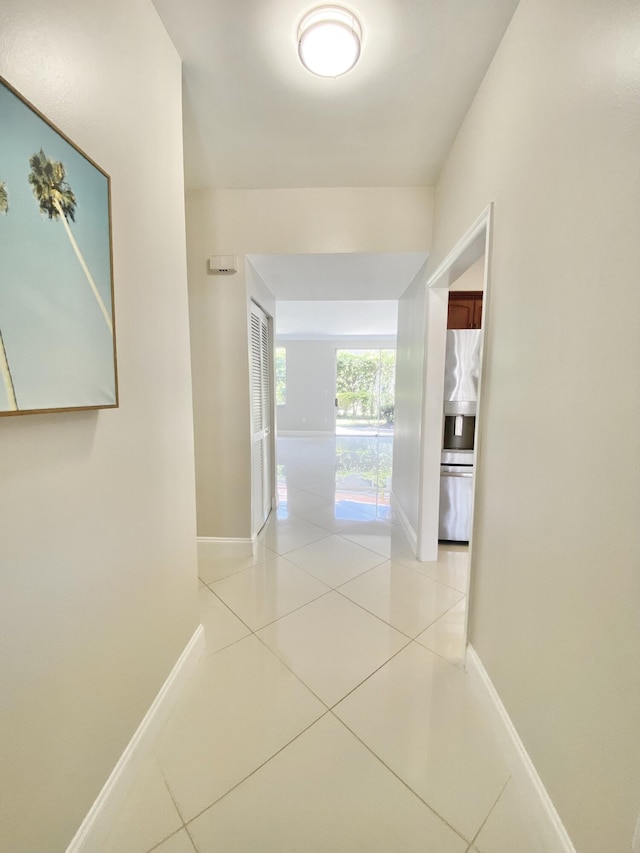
[57,200]
[4,362]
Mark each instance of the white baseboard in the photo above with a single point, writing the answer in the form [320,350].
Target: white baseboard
[219,547]
[552,834]
[301,433]
[94,829]
[405,524]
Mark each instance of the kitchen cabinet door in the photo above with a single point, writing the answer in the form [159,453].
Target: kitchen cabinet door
[465,310]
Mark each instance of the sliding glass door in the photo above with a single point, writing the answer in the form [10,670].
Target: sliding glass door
[365,391]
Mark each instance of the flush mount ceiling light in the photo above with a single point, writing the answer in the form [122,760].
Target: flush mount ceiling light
[329,41]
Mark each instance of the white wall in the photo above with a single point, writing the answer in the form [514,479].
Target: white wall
[553,138]
[472,279]
[409,396]
[258,292]
[97,514]
[319,220]
[311,387]
[286,221]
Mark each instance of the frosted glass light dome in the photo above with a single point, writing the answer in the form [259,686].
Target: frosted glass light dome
[329,41]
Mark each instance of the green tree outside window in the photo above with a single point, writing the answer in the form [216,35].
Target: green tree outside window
[281,375]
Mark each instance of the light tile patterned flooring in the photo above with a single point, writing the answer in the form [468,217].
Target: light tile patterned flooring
[331,712]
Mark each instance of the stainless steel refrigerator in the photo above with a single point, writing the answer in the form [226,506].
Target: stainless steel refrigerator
[462,370]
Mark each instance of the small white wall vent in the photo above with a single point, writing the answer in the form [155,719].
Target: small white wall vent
[222,264]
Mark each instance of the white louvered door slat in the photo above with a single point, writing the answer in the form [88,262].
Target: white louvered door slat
[260,417]
[256,374]
[266,416]
[257,485]
[266,373]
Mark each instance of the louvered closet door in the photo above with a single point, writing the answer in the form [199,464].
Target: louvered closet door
[260,417]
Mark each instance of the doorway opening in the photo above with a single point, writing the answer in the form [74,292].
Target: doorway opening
[365,391]
[470,249]
[323,302]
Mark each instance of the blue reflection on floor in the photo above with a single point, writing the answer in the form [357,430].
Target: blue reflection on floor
[353,511]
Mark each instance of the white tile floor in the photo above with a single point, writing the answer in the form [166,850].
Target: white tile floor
[331,712]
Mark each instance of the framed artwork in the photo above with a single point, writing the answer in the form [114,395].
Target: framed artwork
[57,341]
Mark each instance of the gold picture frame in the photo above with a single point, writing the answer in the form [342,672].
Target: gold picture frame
[57,324]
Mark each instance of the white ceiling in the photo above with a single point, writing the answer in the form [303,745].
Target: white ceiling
[254,117]
[368,276]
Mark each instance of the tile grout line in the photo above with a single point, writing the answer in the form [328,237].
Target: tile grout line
[360,683]
[375,615]
[228,646]
[307,572]
[422,574]
[410,641]
[409,638]
[306,544]
[223,602]
[295,674]
[459,668]
[298,677]
[253,633]
[257,565]
[278,618]
[371,674]
[431,624]
[238,571]
[160,843]
[389,624]
[193,843]
[173,800]
[233,613]
[488,815]
[385,559]
[259,767]
[276,556]
[399,778]
[330,709]
[285,556]
[336,589]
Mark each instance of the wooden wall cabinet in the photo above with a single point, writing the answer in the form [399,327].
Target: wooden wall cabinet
[465,310]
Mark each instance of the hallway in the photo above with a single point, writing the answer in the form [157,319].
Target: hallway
[331,711]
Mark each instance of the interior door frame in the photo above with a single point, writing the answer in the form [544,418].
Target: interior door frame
[474,243]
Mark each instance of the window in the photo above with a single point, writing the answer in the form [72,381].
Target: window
[281,375]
